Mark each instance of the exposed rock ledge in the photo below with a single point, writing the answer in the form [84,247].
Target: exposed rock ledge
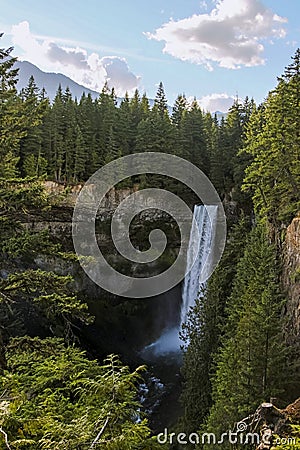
[291,280]
[69,193]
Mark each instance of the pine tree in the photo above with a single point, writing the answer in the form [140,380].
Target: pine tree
[194,145]
[215,151]
[135,116]
[160,102]
[79,158]
[70,133]
[154,134]
[32,160]
[113,151]
[106,116]
[8,75]
[55,130]
[124,131]
[230,142]
[16,117]
[145,107]
[58,398]
[251,362]
[274,174]
[203,332]
[179,110]
[87,122]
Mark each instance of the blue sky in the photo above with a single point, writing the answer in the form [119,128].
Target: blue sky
[213,49]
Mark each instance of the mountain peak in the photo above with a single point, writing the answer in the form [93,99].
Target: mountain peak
[49,80]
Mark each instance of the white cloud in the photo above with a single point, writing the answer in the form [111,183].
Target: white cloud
[230,36]
[118,73]
[75,57]
[203,5]
[216,102]
[89,70]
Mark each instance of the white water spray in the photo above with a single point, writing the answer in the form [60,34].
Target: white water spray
[200,250]
[204,219]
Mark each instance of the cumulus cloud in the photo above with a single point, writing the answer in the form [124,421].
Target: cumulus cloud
[74,57]
[230,36]
[216,102]
[89,70]
[118,73]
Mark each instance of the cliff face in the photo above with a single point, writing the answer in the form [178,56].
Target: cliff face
[58,220]
[133,323]
[291,281]
[67,195]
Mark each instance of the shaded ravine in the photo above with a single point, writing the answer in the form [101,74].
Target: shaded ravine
[164,356]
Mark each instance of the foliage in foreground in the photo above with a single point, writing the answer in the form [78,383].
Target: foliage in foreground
[54,397]
[291,442]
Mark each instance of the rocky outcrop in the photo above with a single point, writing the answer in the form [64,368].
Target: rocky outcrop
[67,194]
[277,425]
[270,426]
[58,222]
[135,323]
[291,281]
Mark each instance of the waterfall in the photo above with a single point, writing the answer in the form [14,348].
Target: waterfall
[199,251]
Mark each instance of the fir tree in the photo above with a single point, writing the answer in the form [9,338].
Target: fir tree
[202,333]
[16,117]
[58,398]
[32,160]
[194,147]
[273,142]
[251,362]
[160,102]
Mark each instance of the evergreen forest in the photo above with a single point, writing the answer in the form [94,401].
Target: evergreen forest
[239,350]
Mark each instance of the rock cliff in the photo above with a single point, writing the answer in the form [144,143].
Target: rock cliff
[291,281]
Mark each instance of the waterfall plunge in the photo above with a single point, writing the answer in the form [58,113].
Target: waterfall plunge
[205,219]
[200,251]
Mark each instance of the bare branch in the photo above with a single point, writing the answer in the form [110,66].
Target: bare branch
[5,438]
[99,434]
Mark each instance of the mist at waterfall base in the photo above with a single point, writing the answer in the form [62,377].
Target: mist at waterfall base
[199,249]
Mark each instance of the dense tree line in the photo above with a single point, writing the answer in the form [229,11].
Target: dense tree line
[235,356]
[53,395]
[273,141]
[235,336]
[68,139]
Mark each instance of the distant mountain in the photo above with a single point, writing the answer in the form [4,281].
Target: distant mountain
[49,81]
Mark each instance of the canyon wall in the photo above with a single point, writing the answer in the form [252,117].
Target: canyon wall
[291,281]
